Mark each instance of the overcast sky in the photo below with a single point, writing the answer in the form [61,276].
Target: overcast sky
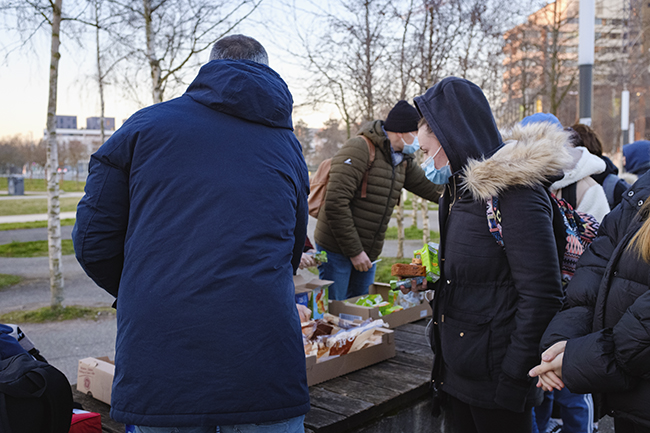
[24,81]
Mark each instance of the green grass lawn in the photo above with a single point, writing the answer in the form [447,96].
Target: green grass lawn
[33,249]
[412,233]
[33,224]
[30,206]
[41,185]
[7,280]
[382,274]
[49,314]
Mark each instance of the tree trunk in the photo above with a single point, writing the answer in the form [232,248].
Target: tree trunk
[425,221]
[100,78]
[53,207]
[400,227]
[154,63]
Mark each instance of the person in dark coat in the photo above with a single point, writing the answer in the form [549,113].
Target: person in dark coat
[600,342]
[194,218]
[613,185]
[351,228]
[636,157]
[492,303]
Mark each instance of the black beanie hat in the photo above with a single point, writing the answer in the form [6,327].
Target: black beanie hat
[402,118]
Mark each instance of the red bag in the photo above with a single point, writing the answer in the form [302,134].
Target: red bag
[86,422]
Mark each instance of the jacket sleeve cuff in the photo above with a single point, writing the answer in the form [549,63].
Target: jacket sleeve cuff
[589,365]
[512,393]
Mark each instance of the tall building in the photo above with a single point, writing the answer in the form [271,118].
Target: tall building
[90,138]
[66,122]
[95,123]
[541,70]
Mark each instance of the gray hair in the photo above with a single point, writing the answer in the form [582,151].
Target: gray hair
[239,47]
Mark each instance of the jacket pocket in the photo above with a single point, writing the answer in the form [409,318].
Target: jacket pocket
[466,345]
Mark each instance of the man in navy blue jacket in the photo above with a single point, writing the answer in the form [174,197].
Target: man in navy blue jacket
[194,218]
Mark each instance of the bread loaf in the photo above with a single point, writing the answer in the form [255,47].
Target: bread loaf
[408,270]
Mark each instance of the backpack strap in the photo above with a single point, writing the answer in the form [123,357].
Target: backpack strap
[493,214]
[609,185]
[570,195]
[371,159]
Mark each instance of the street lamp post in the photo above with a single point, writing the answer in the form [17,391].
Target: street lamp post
[586,26]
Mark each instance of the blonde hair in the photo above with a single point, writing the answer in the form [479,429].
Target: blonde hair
[640,243]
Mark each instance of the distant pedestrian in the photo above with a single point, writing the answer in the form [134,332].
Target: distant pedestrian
[636,157]
[493,300]
[351,228]
[195,218]
[613,185]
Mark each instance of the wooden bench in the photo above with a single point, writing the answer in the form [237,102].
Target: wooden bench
[393,393]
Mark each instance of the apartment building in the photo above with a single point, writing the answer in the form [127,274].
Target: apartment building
[541,66]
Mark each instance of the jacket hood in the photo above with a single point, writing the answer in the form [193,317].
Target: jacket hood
[530,155]
[245,89]
[460,117]
[637,156]
[583,164]
[374,131]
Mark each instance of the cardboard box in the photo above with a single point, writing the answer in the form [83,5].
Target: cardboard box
[312,293]
[393,320]
[95,378]
[318,372]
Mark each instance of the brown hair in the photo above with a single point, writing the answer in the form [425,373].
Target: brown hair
[422,122]
[587,137]
[641,240]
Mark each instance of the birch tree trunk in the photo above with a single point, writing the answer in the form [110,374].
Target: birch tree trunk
[425,221]
[100,78]
[53,207]
[154,63]
[400,227]
[415,202]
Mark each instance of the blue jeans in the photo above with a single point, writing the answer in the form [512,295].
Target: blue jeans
[293,425]
[348,282]
[577,411]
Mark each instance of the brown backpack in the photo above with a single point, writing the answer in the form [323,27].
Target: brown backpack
[318,182]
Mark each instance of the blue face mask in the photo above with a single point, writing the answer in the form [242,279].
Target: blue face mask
[411,148]
[439,176]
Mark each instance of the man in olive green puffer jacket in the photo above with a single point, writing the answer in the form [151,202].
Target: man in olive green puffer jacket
[351,228]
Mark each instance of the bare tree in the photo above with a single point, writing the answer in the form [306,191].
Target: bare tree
[347,59]
[167,35]
[329,139]
[305,136]
[30,16]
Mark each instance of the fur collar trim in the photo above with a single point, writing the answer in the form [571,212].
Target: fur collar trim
[530,155]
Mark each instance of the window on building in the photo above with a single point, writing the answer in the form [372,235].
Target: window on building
[600,21]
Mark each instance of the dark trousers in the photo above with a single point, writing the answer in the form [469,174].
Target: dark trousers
[625,426]
[464,418]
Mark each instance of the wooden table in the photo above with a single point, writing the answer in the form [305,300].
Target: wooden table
[393,393]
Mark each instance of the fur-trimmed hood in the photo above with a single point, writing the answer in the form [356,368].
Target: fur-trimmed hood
[530,155]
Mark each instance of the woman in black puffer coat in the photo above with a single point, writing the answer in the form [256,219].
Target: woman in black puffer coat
[600,342]
[492,303]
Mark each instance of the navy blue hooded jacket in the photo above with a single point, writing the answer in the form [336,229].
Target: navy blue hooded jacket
[194,213]
[637,157]
[492,304]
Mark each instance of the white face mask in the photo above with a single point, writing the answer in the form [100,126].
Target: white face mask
[411,148]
